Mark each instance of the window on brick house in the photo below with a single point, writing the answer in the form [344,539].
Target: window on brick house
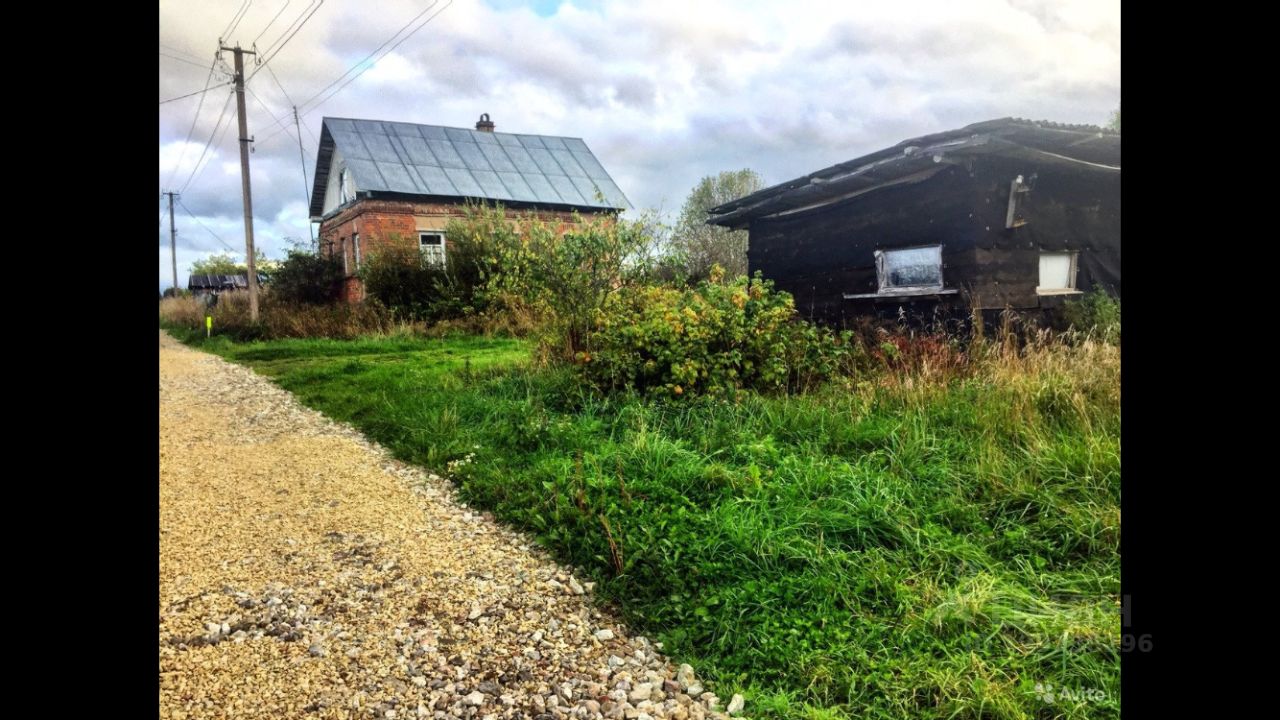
[342,248]
[355,246]
[432,246]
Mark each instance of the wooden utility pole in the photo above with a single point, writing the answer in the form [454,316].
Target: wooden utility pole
[173,244]
[244,180]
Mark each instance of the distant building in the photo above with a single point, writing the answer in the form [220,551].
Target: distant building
[1004,213]
[206,284]
[382,182]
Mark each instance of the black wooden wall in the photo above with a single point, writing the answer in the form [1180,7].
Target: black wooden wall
[821,254]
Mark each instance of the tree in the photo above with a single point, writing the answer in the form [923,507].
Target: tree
[696,246]
[1115,120]
[226,264]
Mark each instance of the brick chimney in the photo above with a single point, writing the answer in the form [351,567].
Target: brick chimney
[484,124]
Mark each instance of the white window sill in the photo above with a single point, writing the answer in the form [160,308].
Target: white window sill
[903,292]
[1058,291]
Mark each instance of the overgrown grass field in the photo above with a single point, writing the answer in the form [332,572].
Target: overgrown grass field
[922,543]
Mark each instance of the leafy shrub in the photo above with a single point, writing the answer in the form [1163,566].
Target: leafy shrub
[1097,311]
[712,339]
[308,278]
[398,277]
[561,273]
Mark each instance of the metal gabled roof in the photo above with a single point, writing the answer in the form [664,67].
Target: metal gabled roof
[436,161]
[1084,144]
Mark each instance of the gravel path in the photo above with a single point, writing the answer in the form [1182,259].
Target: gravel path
[304,573]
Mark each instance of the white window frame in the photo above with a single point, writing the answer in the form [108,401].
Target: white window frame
[355,246]
[342,187]
[444,255]
[882,274]
[1072,274]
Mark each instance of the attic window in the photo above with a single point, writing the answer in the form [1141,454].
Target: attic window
[344,185]
[432,246]
[910,269]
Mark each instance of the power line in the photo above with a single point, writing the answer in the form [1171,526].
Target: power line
[273,20]
[285,32]
[243,12]
[264,105]
[198,92]
[192,215]
[227,29]
[180,51]
[272,73]
[207,145]
[268,59]
[175,57]
[183,152]
[314,105]
[370,55]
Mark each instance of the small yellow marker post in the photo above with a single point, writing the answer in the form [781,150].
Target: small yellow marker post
[208,325]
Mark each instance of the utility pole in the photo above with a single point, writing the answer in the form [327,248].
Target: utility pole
[244,180]
[173,244]
[306,190]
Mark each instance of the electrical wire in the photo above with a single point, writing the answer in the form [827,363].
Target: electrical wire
[184,60]
[269,58]
[198,92]
[227,29]
[242,14]
[218,237]
[208,144]
[273,20]
[314,105]
[183,152]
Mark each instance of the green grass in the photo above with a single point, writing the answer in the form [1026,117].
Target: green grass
[928,549]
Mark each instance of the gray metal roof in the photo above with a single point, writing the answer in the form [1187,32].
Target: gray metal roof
[440,161]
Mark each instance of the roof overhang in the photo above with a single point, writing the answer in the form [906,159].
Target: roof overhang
[919,159]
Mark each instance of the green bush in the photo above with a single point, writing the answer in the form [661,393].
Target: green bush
[1096,312]
[399,278]
[710,340]
[308,278]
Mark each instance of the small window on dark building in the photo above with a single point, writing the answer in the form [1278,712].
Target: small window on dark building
[917,268]
[432,246]
[1057,273]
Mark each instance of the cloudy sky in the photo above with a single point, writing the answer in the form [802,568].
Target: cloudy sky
[663,91]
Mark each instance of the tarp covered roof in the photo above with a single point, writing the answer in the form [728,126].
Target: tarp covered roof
[431,160]
[1085,145]
[221,282]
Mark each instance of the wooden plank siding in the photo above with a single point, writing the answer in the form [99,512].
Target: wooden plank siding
[819,255]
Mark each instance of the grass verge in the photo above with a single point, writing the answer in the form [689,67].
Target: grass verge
[919,545]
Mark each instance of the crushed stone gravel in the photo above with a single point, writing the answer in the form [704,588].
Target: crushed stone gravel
[305,573]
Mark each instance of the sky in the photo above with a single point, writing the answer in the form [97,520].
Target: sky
[664,92]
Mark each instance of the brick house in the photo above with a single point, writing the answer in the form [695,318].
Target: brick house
[382,182]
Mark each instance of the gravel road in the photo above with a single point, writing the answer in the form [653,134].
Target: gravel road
[304,573]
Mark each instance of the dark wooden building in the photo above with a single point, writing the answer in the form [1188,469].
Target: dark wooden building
[1005,213]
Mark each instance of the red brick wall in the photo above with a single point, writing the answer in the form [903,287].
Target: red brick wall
[380,223]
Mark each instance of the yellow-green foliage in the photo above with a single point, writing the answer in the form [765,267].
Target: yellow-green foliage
[711,339]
